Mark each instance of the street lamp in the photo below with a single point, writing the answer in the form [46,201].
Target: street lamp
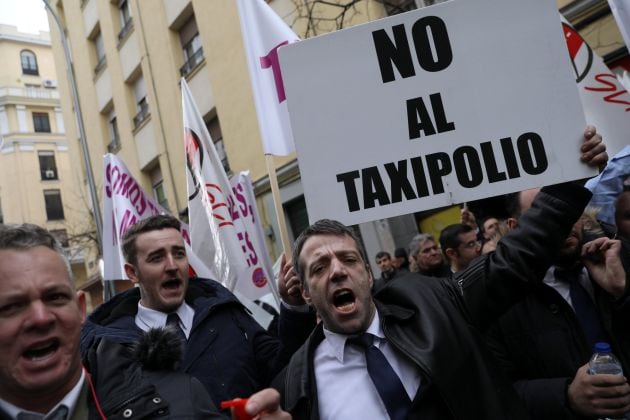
[108,287]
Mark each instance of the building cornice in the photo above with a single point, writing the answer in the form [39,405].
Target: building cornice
[24,40]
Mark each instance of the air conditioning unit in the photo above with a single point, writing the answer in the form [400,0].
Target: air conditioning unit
[49,174]
[49,83]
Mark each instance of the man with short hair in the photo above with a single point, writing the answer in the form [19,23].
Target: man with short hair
[388,271]
[225,348]
[460,246]
[415,350]
[489,226]
[426,256]
[41,374]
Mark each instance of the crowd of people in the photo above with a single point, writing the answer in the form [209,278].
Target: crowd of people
[494,320]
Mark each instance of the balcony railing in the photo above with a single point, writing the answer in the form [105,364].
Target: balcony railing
[29,92]
[192,62]
[142,115]
[127,27]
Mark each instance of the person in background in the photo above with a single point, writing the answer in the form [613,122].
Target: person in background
[460,246]
[401,259]
[426,258]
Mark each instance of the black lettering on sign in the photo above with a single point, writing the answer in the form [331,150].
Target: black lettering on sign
[419,118]
[467,166]
[351,190]
[491,163]
[419,177]
[532,164]
[397,52]
[399,182]
[438,165]
[430,39]
[441,44]
[510,157]
[373,188]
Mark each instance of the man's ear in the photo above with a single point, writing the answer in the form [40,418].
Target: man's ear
[131,272]
[305,294]
[511,223]
[450,253]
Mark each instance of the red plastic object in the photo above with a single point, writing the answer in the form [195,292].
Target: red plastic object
[238,404]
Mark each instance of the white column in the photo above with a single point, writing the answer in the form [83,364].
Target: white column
[22,120]
[4,121]
[59,118]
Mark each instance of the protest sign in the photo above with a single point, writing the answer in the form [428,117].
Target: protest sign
[453,102]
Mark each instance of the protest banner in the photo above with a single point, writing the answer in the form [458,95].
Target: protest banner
[453,102]
[218,215]
[605,101]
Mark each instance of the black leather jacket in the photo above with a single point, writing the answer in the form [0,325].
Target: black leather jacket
[437,323]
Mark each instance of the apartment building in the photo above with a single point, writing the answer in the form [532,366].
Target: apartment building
[39,180]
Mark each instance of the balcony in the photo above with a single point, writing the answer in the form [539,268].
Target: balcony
[192,62]
[142,115]
[29,92]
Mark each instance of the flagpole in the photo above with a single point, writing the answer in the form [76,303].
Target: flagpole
[277,204]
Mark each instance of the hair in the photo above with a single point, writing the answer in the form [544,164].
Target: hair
[417,241]
[482,228]
[402,253]
[159,222]
[513,204]
[449,238]
[382,254]
[27,236]
[323,227]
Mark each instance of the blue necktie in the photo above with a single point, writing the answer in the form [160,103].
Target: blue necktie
[584,307]
[172,320]
[385,379]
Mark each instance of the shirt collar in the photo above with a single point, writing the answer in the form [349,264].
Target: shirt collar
[148,318]
[70,400]
[337,342]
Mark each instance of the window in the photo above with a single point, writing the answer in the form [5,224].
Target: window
[54,207]
[191,46]
[29,63]
[298,217]
[47,165]
[142,106]
[126,22]
[41,123]
[159,192]
[214,128]
[99,50]
[401,6]
[62,236]
[114,138]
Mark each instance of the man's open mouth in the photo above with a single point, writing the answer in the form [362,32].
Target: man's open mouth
[172,284]
[41,350]
[344,300]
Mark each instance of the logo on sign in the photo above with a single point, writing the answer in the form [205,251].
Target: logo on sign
[258,277]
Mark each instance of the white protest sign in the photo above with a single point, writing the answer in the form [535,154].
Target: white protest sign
[454,102]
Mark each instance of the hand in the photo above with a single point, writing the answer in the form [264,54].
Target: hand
[593,149]
[468,218]
[601,259]
[265,404]
[598,395]
[289,285]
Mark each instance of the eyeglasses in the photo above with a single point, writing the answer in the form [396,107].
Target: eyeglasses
[471,244]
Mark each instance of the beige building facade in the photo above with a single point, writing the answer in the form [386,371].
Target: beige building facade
[39,180]
[129,56]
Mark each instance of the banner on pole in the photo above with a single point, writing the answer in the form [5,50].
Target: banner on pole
[263,33]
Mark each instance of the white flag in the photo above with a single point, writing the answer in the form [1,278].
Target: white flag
[621,11]
[125,204]
[218,234]
[263,33]
[605,101]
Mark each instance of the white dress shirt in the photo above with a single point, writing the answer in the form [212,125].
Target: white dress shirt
[70,401]
[148,318]
[344,387]
[563,288]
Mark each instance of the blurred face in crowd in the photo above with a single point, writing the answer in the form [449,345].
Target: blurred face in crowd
[40,324]
[384,263]
[622,214]
[429,255]
[468,249]
[337,283]
[490,226]
[161,270]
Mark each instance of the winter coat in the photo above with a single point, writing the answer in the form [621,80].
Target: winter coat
[227,350]
[437,323]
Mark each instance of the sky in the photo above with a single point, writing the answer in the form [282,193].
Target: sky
[28,15]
